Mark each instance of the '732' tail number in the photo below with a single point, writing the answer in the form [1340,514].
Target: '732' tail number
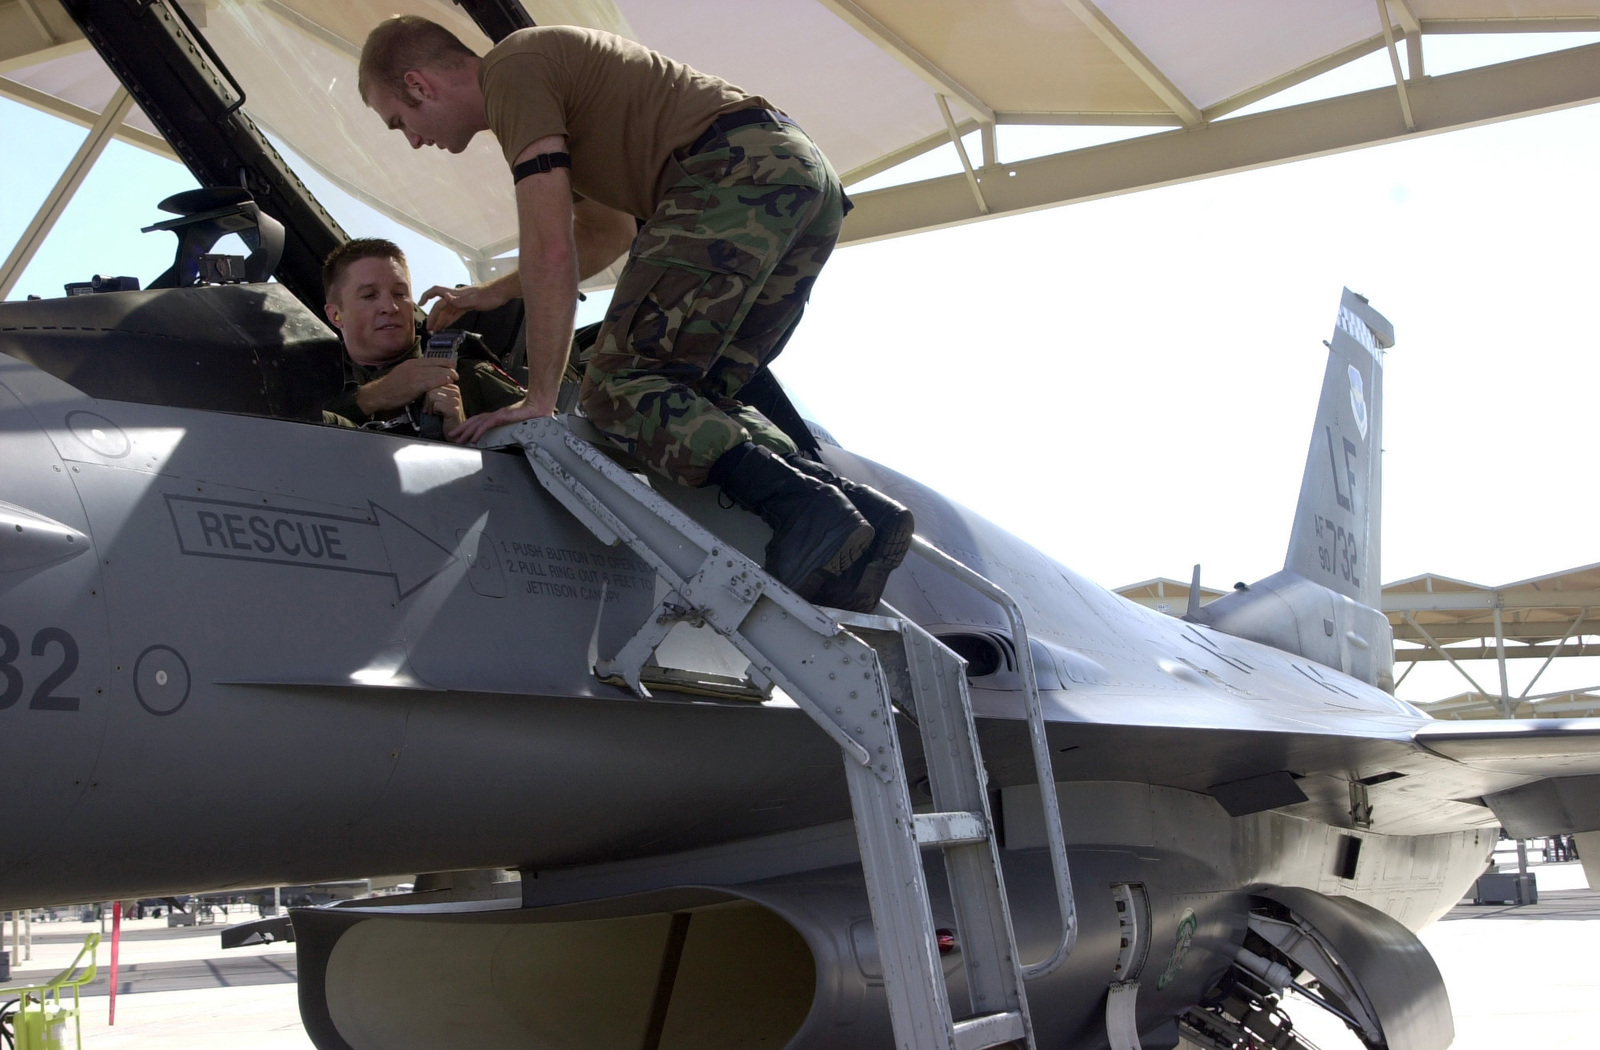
[1343,558]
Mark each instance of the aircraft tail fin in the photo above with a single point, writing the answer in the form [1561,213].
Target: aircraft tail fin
[1335,539]
[1326,603]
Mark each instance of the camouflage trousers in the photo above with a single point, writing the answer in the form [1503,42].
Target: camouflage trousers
[714,284]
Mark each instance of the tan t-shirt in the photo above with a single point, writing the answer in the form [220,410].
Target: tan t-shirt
[622,107]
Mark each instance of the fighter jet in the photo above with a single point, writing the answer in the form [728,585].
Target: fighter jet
[387,655]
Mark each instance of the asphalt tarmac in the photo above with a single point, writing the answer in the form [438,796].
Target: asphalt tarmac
[1517,976]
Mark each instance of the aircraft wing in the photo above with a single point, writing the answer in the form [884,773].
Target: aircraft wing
[1532,777]
[1553,747]
[1416,780]
[1563,753]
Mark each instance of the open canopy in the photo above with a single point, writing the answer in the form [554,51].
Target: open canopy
[877,82]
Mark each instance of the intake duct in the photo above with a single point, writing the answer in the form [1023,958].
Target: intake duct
[696,966]
[784,962]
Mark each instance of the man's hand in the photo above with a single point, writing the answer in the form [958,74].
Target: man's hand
[469,432]
[409,380]
[453,302]
[445,402]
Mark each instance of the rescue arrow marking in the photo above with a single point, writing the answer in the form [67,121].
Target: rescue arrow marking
[382,545]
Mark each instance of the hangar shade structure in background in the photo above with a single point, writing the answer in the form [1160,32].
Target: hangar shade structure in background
[1436,618]
[876,82]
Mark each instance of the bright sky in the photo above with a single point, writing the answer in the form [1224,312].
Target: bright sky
[1129,384]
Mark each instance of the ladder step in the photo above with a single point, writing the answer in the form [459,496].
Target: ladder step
[986,1030]
[851,673]
[950,829]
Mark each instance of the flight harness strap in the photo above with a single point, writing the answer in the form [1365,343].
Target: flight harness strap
[539,165]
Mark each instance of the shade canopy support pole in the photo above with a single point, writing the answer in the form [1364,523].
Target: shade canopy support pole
[1584,615]
[56,202]
[1500,659]
[961,151]
[1394,63]
[1439,649]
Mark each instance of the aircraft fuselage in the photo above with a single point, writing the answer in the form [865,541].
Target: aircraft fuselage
[371,654]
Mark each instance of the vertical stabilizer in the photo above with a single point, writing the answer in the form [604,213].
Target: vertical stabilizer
[1336,524]
[1325,603]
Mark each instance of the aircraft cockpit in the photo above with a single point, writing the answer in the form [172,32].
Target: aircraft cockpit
[217,332]
[211,332]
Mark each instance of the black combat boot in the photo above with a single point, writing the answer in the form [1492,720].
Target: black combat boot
[816,534]
[859,589]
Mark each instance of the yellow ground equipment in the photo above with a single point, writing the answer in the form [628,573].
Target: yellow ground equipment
[40,1021]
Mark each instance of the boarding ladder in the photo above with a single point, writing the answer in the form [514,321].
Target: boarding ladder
[848,672]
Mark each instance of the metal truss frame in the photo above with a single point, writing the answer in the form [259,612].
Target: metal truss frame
[1540,84]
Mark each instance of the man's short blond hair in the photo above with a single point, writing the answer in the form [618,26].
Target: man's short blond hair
[341,258]
[403,43]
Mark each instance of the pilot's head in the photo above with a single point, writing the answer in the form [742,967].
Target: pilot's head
[368,290]
[422,81]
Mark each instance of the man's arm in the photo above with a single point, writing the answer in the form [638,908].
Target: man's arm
[406,382]
[548,264]
[403,384]
[548,267]
[453,302]
[601,233]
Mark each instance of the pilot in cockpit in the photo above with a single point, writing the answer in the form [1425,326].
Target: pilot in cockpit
[392,381]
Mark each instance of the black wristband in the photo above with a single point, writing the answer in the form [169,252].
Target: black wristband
[539,165]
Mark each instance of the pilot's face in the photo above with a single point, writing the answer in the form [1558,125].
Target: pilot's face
[374,311]
[426,118]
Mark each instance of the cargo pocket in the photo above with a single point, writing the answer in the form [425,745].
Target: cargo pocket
[670,319]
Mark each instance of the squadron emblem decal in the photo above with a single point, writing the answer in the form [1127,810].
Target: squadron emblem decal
[1358,401]
[1187,924]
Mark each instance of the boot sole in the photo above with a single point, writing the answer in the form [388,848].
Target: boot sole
[852,550]
[826,578]
[891,540]
[860,589]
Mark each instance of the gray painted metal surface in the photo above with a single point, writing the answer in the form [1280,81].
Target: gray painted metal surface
[375,653]
[1325,603]
[841,678]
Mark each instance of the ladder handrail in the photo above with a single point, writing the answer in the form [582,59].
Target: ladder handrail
[842,680]
[1043,767]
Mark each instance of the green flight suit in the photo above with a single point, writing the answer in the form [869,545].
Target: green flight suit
[484,386]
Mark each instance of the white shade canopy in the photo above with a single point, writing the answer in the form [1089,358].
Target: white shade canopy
[877,82]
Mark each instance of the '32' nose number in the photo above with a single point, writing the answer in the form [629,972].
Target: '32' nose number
[44,698]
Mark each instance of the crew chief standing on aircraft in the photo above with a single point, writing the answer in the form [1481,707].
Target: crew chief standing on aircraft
[739,211]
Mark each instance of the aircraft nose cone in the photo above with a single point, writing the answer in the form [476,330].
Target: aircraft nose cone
[31,541]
